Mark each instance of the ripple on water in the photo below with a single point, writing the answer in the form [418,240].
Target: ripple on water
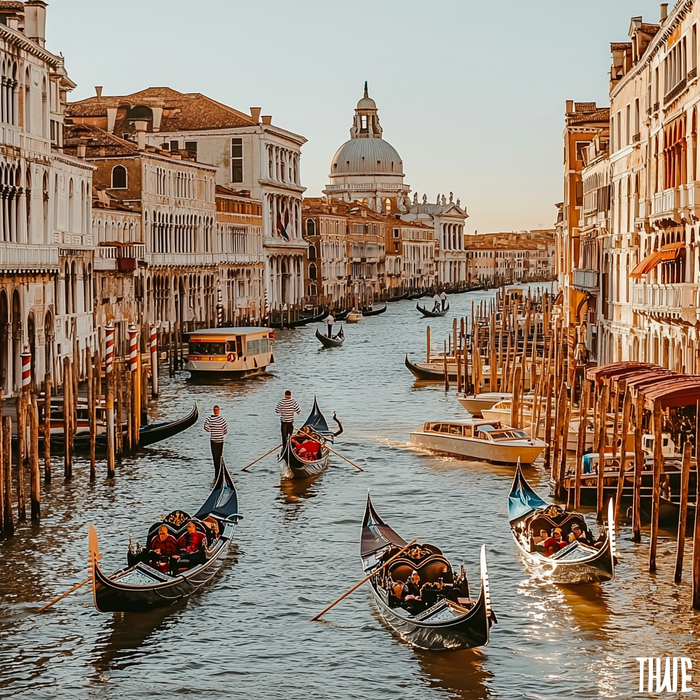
[250,633]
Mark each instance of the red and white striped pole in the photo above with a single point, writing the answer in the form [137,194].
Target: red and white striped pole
[154,358]
[109,348]
[26,356]
[133,348]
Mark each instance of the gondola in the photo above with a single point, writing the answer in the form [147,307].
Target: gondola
[148,434]
[432,314]
[296,323]
[399,297]
[575,563]
[306,453]
[342,315]
[331,342]
[424,374]
[445,617]
[145,586]
[374,311]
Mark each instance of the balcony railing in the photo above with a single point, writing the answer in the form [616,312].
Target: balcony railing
[14,256]
[665,296]
[585,279]
[674,92]
[666,202]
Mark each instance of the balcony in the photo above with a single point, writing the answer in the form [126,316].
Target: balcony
[666,204]
[122,258]
[665,297]
[26,257]
[585,280]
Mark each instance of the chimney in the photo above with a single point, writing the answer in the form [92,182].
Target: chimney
[255,114]
[267,119]
[141,134]
[82,150]
[663,11]
[569,106]
[35,21]
[98,91]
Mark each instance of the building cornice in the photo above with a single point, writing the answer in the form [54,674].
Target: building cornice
[28,45]
[673,20]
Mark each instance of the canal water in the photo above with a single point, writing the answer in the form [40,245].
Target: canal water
[249,633]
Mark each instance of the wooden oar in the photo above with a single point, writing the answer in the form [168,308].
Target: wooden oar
[55,600]
[330,449]
[366,578]
[259,458]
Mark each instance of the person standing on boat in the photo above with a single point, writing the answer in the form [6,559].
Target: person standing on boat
[287,409]
[329,322]
[217,427]
[436,300]
[443,299]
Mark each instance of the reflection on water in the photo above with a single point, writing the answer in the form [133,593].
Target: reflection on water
[297,550]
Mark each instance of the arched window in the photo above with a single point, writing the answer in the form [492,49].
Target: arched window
[312,271]
[119,177]
[312,252]
[312,289]
[310,227]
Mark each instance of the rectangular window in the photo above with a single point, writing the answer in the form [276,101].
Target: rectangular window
[396,233]
[236,160]
[628,124]
[191,147]
[174,145]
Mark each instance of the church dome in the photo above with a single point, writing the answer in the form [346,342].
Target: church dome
[366,156]
[366,102]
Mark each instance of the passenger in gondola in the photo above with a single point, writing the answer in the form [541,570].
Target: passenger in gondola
[396,593]
[190,544]
[412,599]
[164,551]
[212,527]
[554,543]
[580,535]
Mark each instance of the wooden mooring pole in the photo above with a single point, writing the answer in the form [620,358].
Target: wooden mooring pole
[34,473]
[683,515]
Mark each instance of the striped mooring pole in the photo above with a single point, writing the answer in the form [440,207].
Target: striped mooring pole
[109,348]
[26,356]
[154,358]
[133,348]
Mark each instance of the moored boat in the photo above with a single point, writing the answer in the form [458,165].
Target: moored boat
[432,314]
[354,316]
[153,581]
[443,615]
[473,438]
[578,561]
[476,403]
[374,310]
[331,341]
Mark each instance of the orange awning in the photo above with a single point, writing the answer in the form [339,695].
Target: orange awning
[671,251]
[647,265]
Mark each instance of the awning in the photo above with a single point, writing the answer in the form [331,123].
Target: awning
[647,265]
[616,369]
[672,251]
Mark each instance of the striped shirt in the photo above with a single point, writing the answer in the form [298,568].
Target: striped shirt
[217,427]
[286,409]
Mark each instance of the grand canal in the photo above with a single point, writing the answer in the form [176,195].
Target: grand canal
[249,634]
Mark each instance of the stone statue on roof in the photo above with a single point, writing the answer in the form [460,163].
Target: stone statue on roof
[437,201]
[425,199]
[450,197]
[458,204]
[401,204]
[415,197]
[444,201]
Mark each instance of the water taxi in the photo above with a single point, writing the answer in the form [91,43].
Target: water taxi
[487,440]
[476,403]
[237,352]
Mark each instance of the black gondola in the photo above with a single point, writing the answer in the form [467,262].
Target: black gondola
[445,617]
[342,315]
[398,297]
[373,310]
[331,342]
[296,323]
[432,314]
[148,434]
[575,563]
[306,453]
[144,586]
[423,374]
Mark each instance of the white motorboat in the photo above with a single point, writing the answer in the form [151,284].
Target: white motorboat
[487,440]
[501,411]
[476,403]
[354,316]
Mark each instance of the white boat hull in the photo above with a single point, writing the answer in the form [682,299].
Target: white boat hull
[476,403]
[499,453]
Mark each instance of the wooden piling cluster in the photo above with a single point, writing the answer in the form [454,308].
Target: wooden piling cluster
[517,344]
[75,401]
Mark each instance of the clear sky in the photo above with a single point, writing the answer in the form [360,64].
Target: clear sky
[471,94]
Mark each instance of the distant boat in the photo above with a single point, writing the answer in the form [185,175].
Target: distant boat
[354,316]
[331,341]
[476,403]
[374,310]
[432,314]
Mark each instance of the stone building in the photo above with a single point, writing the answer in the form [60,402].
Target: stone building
[175,196]
[241,257]
[510,257]
[250,155]
[46,262]
[410,256]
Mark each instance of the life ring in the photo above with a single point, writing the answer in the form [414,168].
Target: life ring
[231,357]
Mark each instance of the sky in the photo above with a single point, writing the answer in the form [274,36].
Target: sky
[471,94]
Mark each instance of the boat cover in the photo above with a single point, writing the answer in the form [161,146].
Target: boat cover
[522,500]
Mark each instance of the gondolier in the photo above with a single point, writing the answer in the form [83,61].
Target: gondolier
[443,299]
[287,409]
[217,427]
[329,322]
[436,300]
